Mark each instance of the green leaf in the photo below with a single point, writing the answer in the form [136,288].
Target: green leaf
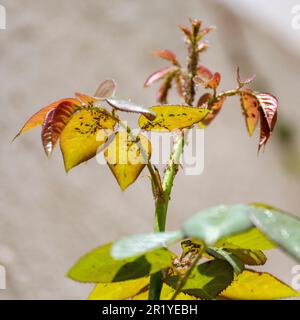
[222,254]
[251,239]
[142,243]
[207,280]
[99,266]
[280,227]
[251,285]
[212,224]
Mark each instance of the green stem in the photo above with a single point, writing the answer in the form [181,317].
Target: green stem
[162,202]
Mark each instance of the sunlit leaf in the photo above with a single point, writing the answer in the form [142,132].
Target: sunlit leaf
[127,157]
[251,239]
[207,280]
[249,257]
[38,118]
[167,55]
[251,285]
[206,30]
[106,89]
[84,134]
[128,106]
[215,223]
[214,109]
[223,254]
[99,266]
[54,123]
[139,244]
[281,228]
[172,117]
[251,111]
[159,74]
[202,46]
[118,290]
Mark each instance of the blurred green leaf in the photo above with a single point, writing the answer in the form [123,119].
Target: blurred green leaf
[139,244]
[99,266]
[207,280]
[212,224]
[280,227]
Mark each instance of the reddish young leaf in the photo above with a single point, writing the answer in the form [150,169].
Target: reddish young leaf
[54,124]
[85,99]
[251,111]
[186,31]
[159,74]
[167,55]
[203,100]
[215,108]
[106,89]
[211,83]
[206,30]
[179,86]
[38,118]
[243,82]
[162,93]
[202,46]
[204,72]
[269,105]
[196,25]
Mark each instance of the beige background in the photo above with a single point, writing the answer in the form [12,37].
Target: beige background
[51,49]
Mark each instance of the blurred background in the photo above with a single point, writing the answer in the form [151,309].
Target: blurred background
[51,49]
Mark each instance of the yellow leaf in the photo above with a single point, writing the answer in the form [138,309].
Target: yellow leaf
[166,294]
[251,285]
[84,134]
[172,117]
[250,108]
[249,257]
[118,290]
[125,158]
[250,239]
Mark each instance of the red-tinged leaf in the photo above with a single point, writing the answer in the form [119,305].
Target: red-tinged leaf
[85,99]
[269,106]
[196,25]
[203,100]
[204,72]
[215,108]
[179,84]
[202,46]
[38,118]
[54,124]
[209,84]
[265,132]
[106,89]
[162,93]
[243,82]
[186,31]
[206,30]
[167,55]
[159,74]
[251,111]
